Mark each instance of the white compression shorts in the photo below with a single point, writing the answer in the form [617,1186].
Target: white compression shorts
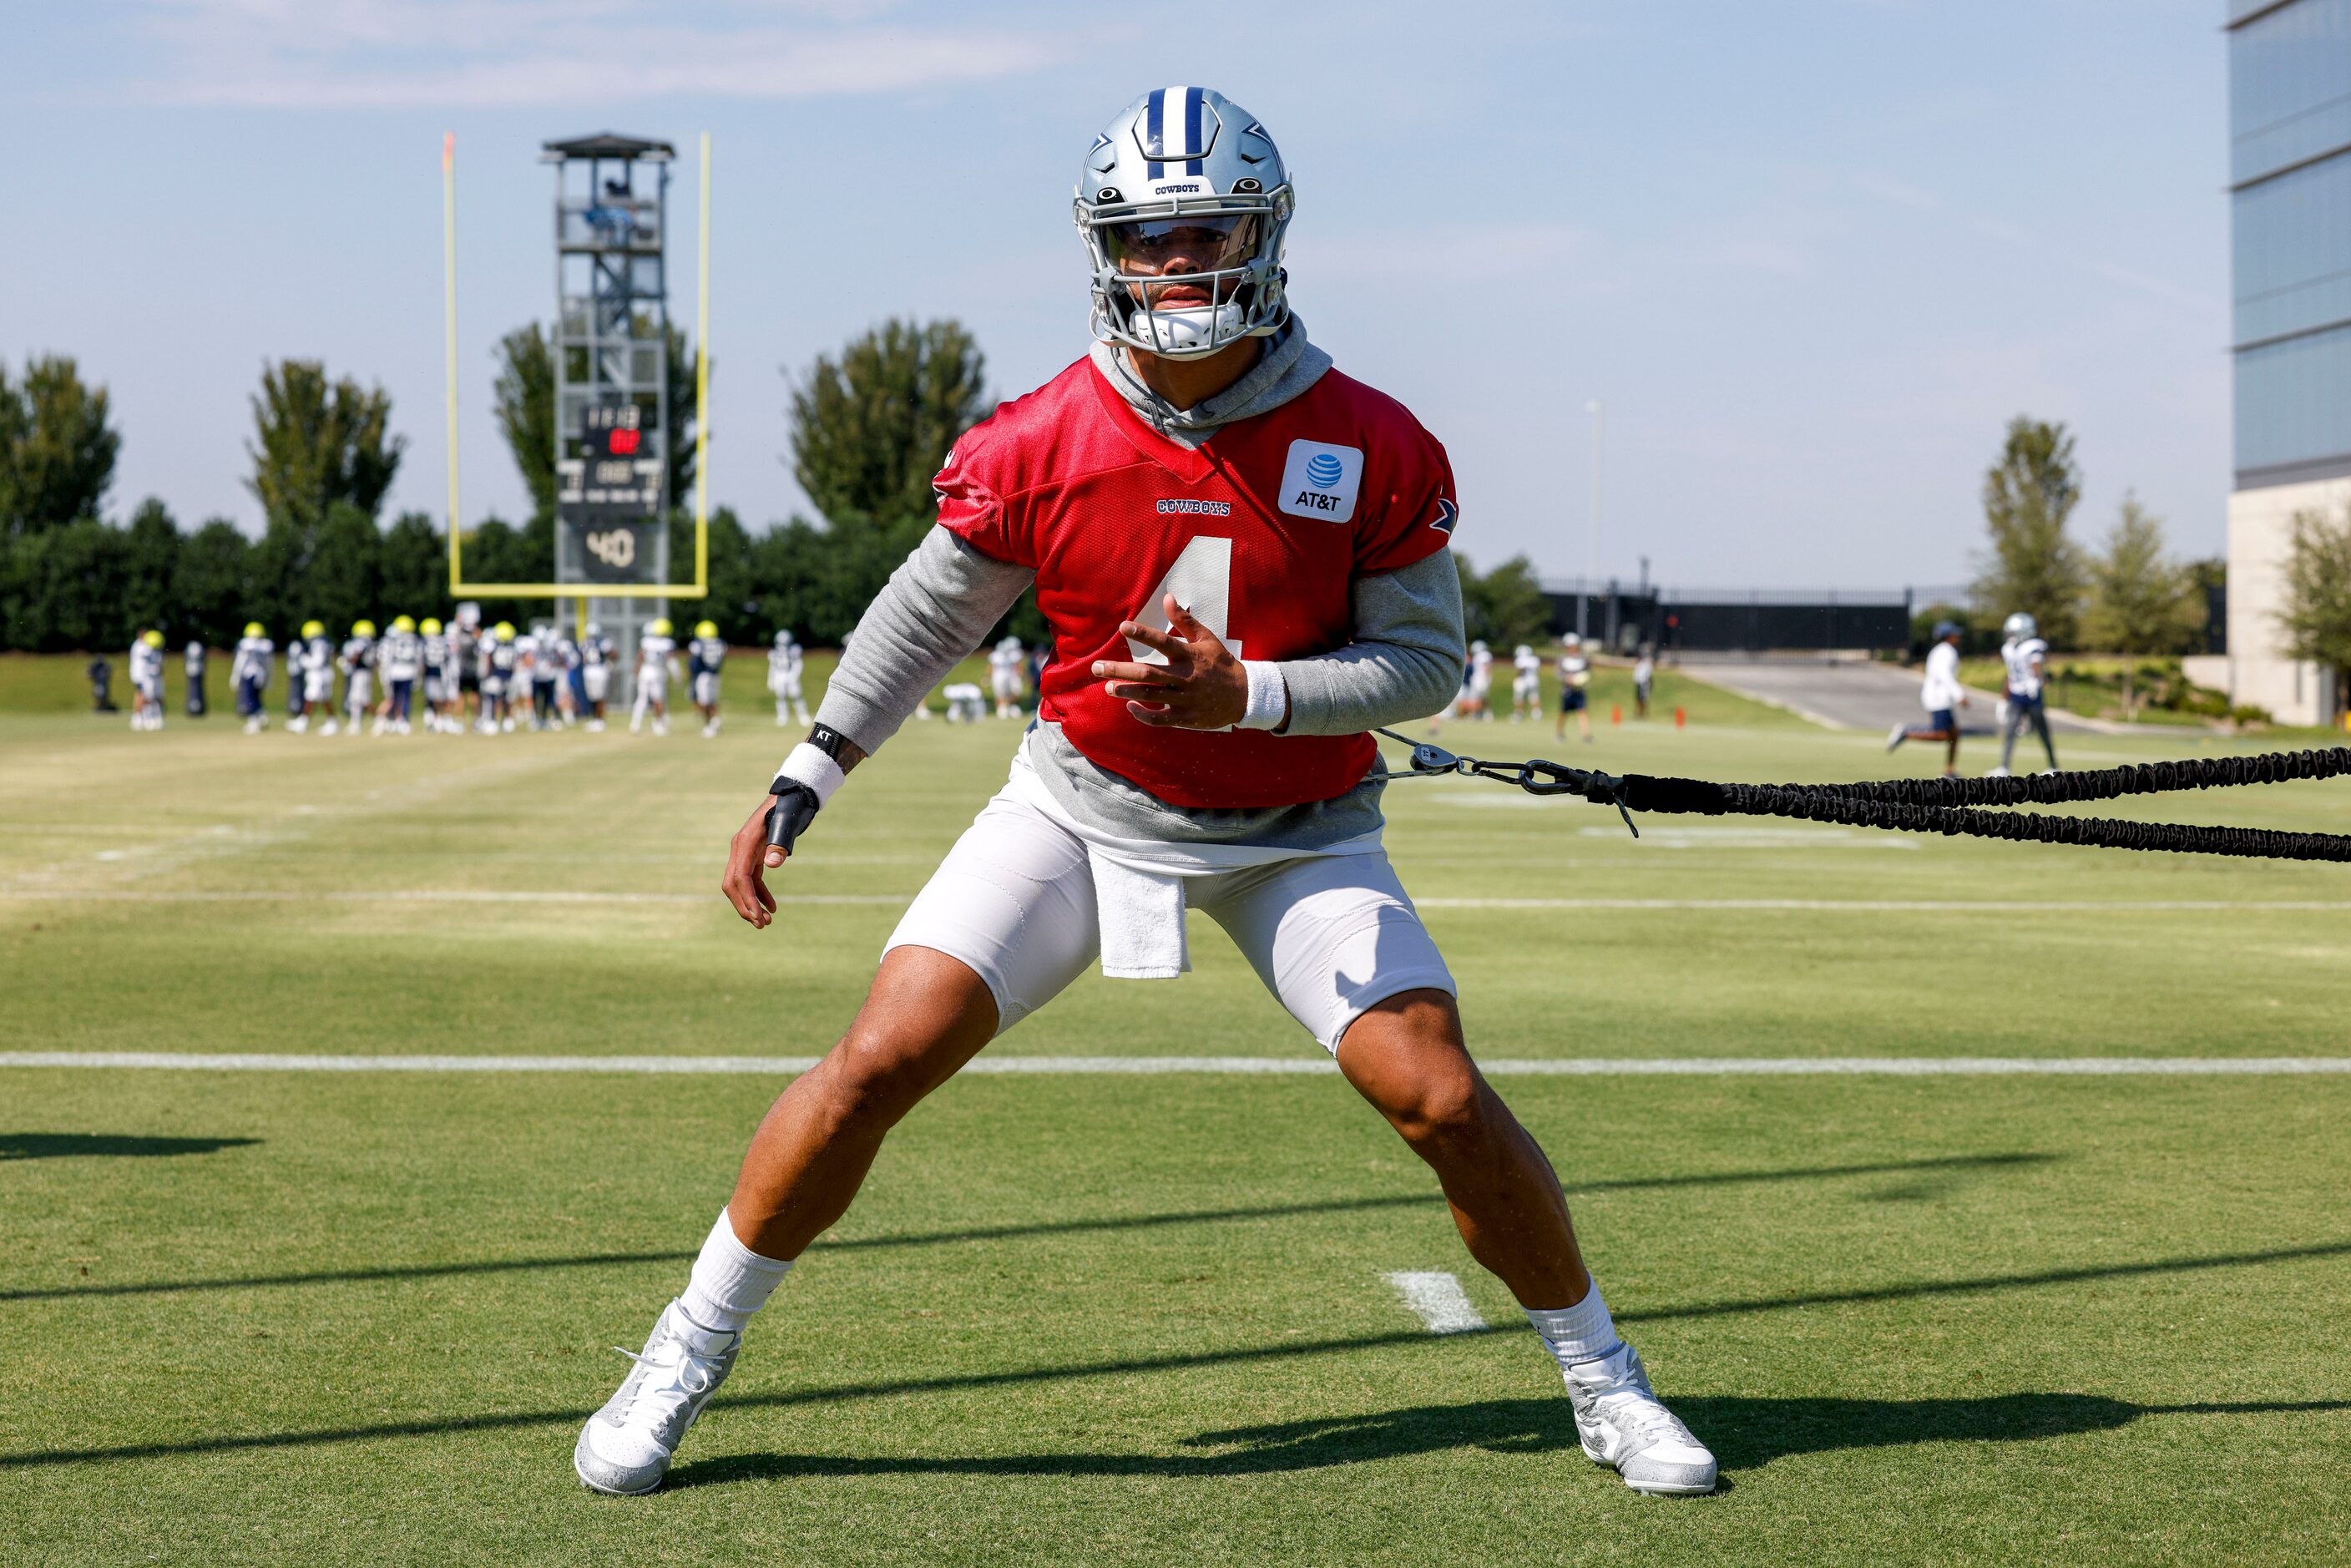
[706,689]
[317,686]
[598,679]
[1331,935]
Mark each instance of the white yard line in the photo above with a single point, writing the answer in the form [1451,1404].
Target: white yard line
[429,896]
[1524,1067]
[1439,1301]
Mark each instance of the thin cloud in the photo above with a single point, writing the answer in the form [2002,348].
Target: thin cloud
[470,54]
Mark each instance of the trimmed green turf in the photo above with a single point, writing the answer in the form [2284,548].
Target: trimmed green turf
[300,1319]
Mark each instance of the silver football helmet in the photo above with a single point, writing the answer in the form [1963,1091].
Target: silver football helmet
[1184,186]
[784,638]
[2019,626]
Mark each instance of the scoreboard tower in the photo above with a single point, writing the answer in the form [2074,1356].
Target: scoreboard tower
[610,353]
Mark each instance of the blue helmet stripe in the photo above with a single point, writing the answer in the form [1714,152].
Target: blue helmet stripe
[1192,107]
[1155,121]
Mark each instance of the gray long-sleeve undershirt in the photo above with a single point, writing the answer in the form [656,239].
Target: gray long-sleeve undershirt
[1404,663]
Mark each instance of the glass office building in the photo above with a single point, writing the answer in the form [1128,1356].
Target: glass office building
[2290,195]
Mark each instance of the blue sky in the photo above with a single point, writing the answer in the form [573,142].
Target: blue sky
[1812,254]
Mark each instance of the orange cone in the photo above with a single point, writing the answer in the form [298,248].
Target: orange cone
[1681,719]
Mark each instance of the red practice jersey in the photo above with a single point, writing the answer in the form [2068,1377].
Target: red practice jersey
[1260,534]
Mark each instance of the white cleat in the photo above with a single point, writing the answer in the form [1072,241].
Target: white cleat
[1624,1425]
[626,1448]
[1997,773]
[328,727]
[1894,736]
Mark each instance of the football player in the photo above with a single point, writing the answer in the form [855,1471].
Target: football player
[1574,687]
[1526,685]
[1644,678]
[705,656]
[147,681]
[248,672]
[654,650]
[501,663]
[2027,658]
[317,677]
[400,657]
[1164,769]
[357,661]
[1481,682]
[564,653]
[1942,696]
[785,663]
[596,673]
[1003,662]
[440,684]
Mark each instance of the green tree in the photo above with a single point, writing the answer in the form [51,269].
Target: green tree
[415,569]
[524,397]
[2140,601]
[2028,496]
[71,582]
[871,429]
[318,441]
[346,580]
[1506,605]
[212,585]
[152,567]
[57,449]
[2315,616]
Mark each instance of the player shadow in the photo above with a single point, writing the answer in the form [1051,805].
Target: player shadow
[1746,1434]
[1430,1200]
[110,1145]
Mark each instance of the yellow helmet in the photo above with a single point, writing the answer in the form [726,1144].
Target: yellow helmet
[432,625]
[314,627]
[504,631]
[403,624]
[152,639]
[362,628]
[253,628]
[659,628]
[706,629]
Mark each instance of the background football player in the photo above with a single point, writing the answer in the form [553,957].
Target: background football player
[1165,770]
[401,656]
[1574,687]
[705,656]
[248,673]
[1526,683]
[2026,657]
[440,684]
[356,660]
[317,678]
[596,653]
[1481,683]
[655,649]
[147,681]
[1005,662]
[785,664]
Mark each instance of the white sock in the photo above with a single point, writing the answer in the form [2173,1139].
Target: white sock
[1583,1332]
[730,1281]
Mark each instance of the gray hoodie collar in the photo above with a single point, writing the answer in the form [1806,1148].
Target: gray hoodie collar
[1289,366]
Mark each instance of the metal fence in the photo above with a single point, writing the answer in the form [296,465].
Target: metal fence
[1730,620]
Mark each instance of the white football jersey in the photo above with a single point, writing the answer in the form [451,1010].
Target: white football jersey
[654,650]
[1575,670]
[784,662]
[252,656]
[2019,656]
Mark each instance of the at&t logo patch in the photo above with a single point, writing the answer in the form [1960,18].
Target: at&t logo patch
[1320,480]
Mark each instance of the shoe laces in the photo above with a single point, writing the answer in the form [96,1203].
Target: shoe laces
[680,1377]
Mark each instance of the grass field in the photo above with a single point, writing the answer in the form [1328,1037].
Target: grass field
[300,1318]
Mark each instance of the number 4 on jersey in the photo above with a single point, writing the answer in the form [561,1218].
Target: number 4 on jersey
[1201,579]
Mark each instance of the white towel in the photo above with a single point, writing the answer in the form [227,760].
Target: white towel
[1142,915]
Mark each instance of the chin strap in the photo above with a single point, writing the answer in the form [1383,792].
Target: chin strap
[1946,805]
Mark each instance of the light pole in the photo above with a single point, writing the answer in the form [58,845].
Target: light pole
[1591,551]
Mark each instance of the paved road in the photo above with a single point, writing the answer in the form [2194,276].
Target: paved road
[1851,694]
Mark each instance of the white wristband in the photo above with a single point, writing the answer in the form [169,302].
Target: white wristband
[1268,695]
[808,764]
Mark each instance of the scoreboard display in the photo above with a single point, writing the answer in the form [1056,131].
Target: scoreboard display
[611,469]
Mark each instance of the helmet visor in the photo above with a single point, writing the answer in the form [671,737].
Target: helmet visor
[1184,245]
